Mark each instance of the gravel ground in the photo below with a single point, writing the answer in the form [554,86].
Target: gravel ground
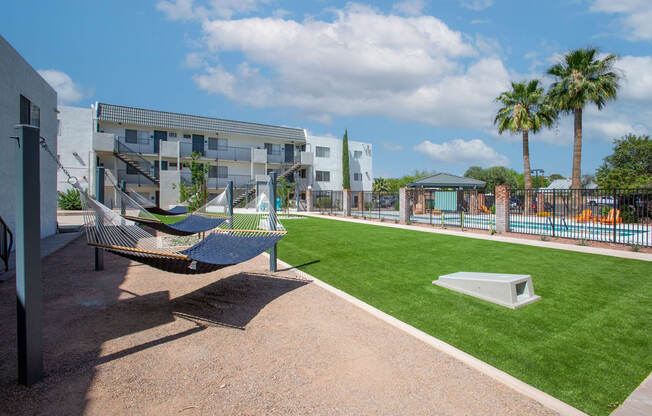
[133,340]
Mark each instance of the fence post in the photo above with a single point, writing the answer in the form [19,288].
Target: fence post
[502,208]
[346,200]
[272,218]
[229,202]
[297,197]
[29,284]
[99,196]
[309,199]
[614,227]
[403,206]
[554,209]
[123,188]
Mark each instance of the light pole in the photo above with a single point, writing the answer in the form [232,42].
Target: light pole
[536,173]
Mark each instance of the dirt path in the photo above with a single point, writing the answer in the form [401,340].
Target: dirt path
[133,340]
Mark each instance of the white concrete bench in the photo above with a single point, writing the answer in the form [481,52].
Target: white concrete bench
[510,290]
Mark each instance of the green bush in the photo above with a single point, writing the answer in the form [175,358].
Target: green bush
[323,202]
[70,200]
[367,206]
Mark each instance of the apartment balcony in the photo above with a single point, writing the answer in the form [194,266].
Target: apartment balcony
[239,181]
[233,153]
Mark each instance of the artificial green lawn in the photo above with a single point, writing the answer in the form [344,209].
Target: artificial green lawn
[588,341]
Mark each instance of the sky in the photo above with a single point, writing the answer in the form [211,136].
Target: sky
[417,79]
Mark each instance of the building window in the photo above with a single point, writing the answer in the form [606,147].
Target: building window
[273,149]
[357,176]
[323,151]
[131,136]
[323,176]
[357,154]
[186,136]
[212,143]
[222,171]
[172,134]
[173,165]
[30,113]
[302,173]
[222,144]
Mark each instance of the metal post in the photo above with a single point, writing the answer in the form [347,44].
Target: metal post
[99,196]
[272,218]
[229,202]
[28,256]
[614,218]
[123,188]
[296,195]
[246,195]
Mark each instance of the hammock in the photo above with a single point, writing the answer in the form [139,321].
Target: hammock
[246,234]
[192,224]
[153,209]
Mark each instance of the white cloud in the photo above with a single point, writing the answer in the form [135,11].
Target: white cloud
[191,10]
[637,77]
[635,16]
[392,147]
[362,62]
[67,91]
[476,4]
[480,21]
[410,7]
[472,152]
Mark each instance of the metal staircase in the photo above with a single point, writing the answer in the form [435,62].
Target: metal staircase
[250,193]
[6,242]
[131,158]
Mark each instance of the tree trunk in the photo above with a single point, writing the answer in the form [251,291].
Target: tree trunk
[576,181]
[527,178]
[527,174]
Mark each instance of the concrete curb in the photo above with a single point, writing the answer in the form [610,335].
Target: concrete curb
[548,244]
[479,365]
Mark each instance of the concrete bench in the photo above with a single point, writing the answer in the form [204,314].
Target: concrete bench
[510,290]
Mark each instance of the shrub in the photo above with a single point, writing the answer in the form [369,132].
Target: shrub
[70,200]
[323,202]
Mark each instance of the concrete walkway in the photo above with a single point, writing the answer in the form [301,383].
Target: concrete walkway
[49,245]
[468,234]
[639,403]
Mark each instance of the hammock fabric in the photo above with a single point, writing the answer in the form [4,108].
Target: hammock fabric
[178,210]
[192,224]
[226,248]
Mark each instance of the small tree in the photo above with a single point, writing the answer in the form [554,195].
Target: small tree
[195,193]
[346,175]
[380,185]
[284,188]
[70,200]
[630,164]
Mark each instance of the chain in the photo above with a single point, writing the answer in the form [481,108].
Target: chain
[44,144]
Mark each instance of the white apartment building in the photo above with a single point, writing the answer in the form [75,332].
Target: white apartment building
[147,150]
[26,98]
[327,164]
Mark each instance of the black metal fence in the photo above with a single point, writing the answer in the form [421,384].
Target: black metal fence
[328,201]
[381,205]
[452,208]
[621,216]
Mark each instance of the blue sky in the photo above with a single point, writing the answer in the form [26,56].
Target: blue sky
[415,78]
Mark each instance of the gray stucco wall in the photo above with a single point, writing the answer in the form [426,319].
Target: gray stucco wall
[75,139]
[18,77]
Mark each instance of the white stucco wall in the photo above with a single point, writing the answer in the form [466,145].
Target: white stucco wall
[17,78]
[75,139]
[333,164]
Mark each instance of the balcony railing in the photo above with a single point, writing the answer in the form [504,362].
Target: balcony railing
[142,146]
[239,181]
[238,154]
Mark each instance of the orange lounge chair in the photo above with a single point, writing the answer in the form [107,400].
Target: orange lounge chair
[610,217]
[585,216]
[485,210]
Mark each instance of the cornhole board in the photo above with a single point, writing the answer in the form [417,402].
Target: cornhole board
[509,290]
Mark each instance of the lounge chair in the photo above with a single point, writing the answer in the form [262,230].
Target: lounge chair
[614,216]
[585,216]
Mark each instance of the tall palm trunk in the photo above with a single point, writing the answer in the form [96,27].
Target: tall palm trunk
[526,161]
[576,181]
[527,173]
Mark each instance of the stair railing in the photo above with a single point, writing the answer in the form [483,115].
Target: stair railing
[144,164]
[6,243]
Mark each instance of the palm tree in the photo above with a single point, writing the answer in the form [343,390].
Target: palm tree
[380,185]
[524,109]
[582,78]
